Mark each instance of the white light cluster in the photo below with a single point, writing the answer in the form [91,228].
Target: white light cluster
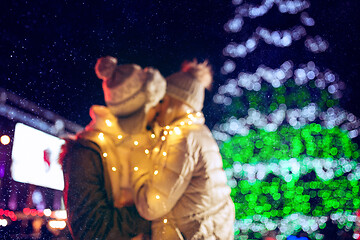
[292,169]
[316,44]
[277,38]
[252,11]
[338,117]
[277,77]
[55,224]
[252,81]
[3,222]
[283,38]
[290,224]
[60,214]
[342,218]
[306,19]
[47,212]
[297,118]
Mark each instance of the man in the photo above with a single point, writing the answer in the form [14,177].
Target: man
[185,191]
[97,196]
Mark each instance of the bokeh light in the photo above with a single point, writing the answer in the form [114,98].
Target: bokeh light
[289,150]
[5,139]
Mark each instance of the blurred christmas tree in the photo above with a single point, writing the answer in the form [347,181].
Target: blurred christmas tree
[288,148]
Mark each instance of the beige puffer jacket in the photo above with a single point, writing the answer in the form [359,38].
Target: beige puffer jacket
[186,192]
[117,148]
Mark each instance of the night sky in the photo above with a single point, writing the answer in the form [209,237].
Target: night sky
[48,49]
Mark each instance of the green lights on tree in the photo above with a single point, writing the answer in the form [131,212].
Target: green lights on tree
[277,198]
[312,140]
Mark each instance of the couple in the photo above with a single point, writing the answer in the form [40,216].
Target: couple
[124,170]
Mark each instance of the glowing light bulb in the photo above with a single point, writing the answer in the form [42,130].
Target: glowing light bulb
[156,172]
[156,149]
[47,212]
[177,130]
[167,127]
[136,168]
[188,111]
[163,138]
[164,154]
[5,139]
[113,168]
[105,154]
[165,133]
[190,122]
[182,123]
[165,220]
[190,116]
[171,132]
[157,197]
[54,224]
[108,122]
[136,143]
[3,222]
[101,136]
[147,151]
[119,136]
[152,135]
[198,114]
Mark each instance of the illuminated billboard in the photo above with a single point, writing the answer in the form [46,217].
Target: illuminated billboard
[35,158]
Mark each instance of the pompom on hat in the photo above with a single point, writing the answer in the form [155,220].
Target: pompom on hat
[188,85]
[130,91]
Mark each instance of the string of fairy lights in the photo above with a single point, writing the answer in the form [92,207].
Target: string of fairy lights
[288,147]
[140,144]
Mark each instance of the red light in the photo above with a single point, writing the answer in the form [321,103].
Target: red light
[26,211]
[12,215]
[33,212]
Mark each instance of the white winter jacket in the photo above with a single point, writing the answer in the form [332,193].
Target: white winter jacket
[185,193]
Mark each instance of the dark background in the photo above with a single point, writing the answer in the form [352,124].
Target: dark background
[48,49]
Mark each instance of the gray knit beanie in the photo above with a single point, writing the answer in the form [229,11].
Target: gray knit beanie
[129,91]
[188,85]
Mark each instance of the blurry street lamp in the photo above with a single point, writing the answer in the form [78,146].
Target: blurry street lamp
[5,139]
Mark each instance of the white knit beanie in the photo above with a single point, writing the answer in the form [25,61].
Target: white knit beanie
[188,85]
[130,91]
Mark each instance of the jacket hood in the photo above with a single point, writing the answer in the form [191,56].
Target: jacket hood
[103,120]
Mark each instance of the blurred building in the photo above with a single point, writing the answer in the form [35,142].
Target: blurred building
[31,180]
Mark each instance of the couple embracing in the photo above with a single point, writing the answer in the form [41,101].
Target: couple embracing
[146,167]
